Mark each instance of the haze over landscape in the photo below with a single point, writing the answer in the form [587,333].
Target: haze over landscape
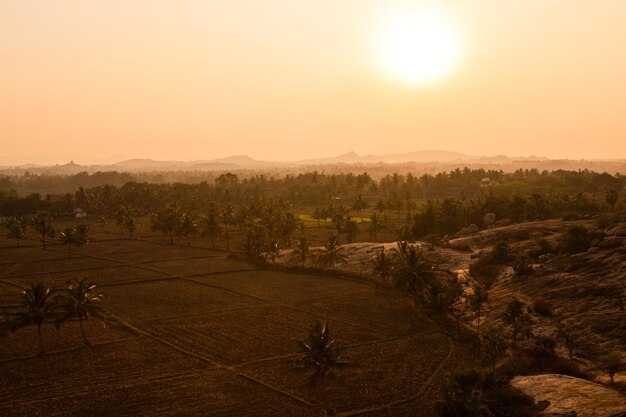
[88,81]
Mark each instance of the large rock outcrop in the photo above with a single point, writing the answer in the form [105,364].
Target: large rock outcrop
[567,394]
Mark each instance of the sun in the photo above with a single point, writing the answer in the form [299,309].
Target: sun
[417,47]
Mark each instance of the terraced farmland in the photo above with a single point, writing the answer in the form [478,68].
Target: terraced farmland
[206,335]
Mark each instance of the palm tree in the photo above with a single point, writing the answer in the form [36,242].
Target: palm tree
[302,251]
[476,303]
[382,264]
[411,266]
[78,300]
[38,307]
[273,251]
[82,234]
[318,214]
[332,252]
[17,229]
[320,354]
[43,224]
[374,225]
[210,225]
[351,228]
[359,205]
[66,237]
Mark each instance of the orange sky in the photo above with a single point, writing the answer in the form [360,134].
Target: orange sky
[295,79]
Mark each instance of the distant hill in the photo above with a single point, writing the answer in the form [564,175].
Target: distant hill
[417,161]
[417,156]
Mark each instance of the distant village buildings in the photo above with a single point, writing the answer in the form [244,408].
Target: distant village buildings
[79,213]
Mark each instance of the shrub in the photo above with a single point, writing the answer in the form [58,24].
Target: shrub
[543,308]
[575,240]
[528,362]
[484,271]
[545,345]
[477,393]
[522,266]
[613,364]
[500,253]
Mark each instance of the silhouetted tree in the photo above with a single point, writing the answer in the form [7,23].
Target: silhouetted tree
[302,251]
[17,228]
[492,345]
[78,300]
[613,364]
[476,302]
[382,264]
[359,205]
[37,308]
[166,221]
[332,253]
[517,317]
[43,224]
[320,354]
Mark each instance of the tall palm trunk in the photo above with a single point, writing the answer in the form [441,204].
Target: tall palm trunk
[82,330]
[41,349]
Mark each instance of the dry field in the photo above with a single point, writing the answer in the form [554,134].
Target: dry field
[206,335]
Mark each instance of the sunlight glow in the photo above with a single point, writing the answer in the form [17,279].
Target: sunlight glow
[417,47]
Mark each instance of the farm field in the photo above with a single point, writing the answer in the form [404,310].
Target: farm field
[201,334]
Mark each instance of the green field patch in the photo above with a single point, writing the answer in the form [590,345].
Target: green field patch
[310,219]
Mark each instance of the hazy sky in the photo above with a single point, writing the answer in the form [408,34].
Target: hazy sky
[281,79]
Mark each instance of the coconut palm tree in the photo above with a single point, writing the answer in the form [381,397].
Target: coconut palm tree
[332,253]
[302,251]
[37,308]
[67,238]
[374,225]
[210,225]
[273,250]
[411,267]
[79,300]
[82,234]
[17,229]
[359,205]
[320,354]
[43,224]
[382,265]
[351,228]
